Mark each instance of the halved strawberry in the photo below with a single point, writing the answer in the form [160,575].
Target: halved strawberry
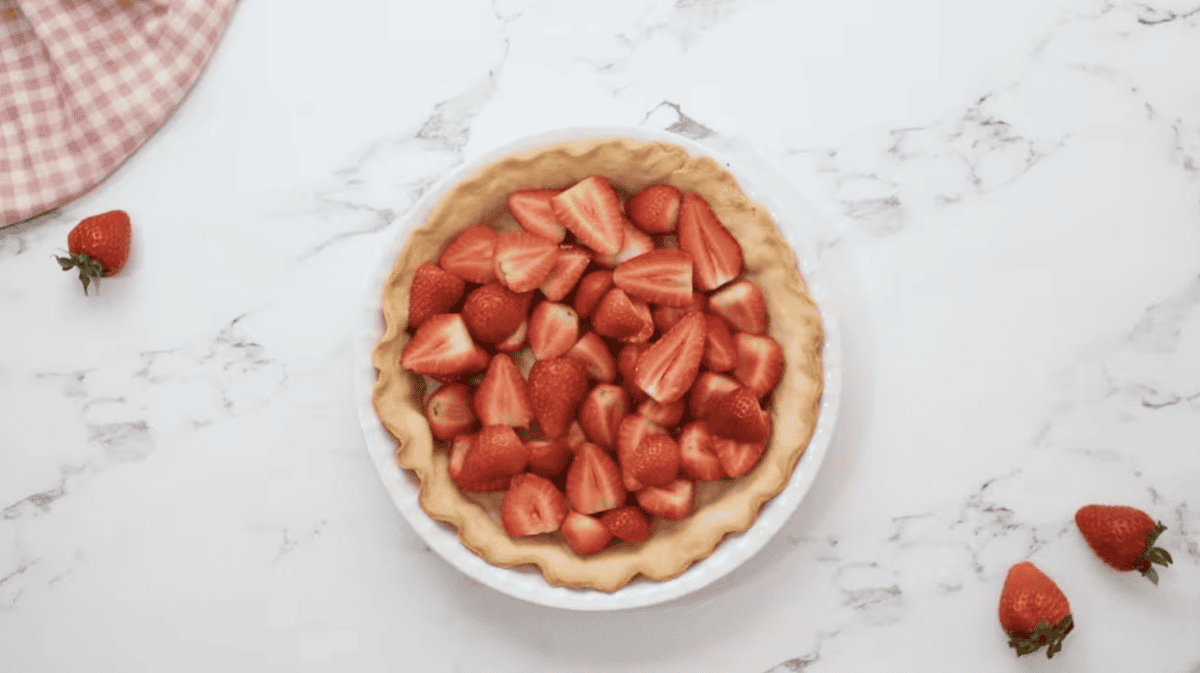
[633,429]
[594,353]
[585,534]
[636,243]
[458,452]
[594,481]
[760,362]
[665,317]
[715,252]
[532,505]
[592,287]
[493,313]
[553,329]
[742,304]
[433,291]
[626,365]
[601,413]
[502,397]
[697,459]
[660,277]
[471,255]
[556,387]
[709,388]
[548,457]
[737,416]
[720,352]
[515,342]
[654,462]
[592,211]
[738,458]
[627,523]
[524,260]
[572,261]
[532,209]
[665,414]
[449,411]
[496,452]
[655,208]
[672,501]
[668,367]
[619,317]
[443,348]
[575,437]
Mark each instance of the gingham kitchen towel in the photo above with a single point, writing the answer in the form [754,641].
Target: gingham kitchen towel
[83,83]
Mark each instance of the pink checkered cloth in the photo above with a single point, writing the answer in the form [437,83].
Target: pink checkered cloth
[83,83]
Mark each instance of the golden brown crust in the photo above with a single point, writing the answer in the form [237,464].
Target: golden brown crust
[721,507]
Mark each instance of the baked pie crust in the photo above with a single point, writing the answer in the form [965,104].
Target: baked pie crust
[722,507]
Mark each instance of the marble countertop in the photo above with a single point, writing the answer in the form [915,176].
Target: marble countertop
[1012,193]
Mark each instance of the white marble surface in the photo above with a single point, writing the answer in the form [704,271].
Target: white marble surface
[1013,195]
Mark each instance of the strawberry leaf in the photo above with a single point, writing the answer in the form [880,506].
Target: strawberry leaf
[89,267]
[1045,635]
[1153,555]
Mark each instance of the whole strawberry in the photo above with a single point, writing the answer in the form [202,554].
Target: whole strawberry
[1123,537]
[1033,611]
[99,246]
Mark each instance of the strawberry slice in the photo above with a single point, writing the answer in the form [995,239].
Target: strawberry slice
[524,260]
[585,534]
[742,304]
[760,362]
[737,416]
[715,252]
[594,353]
[659,277]
[655,208]
[655,461]
[532,209]
[433,291]
[502,397]
[532,505]
[496,452]
[553,330]
[458,452]
[707,390]
[450,411]
[443,348]
[572,262]
[664,414]
[515,342]
[594,481]
[627,523]
[556,387]
[665,317]
[601,413]
[636,243]
[673,501]
[738,458]
[548,457]
[493,313]
[720,351]
[619,317]
[668,367]
[697,459]
[592,288]
[471,255]
[592,211]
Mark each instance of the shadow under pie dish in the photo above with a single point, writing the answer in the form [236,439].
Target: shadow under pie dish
[678,555]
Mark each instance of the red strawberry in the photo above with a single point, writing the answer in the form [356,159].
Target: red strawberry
[720,351]
[576,437]
[556,387]
[601,413]
[99,246]
[553,330]
[707,390]
[594,353]
[1033,611]
[737,458]
[759,362]
[742,304]
[450,411]
[668,367]
[493,312]
[592,288]
[585,534]
[458,452]
[515,342]
[548,457]
[633,429]
[432,291]
[627,523]
[442,348]
[496,452]
[471,254]
[673,501]
[737,416]
[664,414]
[655,461]
[594,481]
[523,260]
[1123,537]
[659,277]
[715,252]
[655,208]
[697,460]
[619,317]
[636,243]
[626,365]
[665,317]
[532,505]
[592,211]
[502,397]
[572,261]
[532,209]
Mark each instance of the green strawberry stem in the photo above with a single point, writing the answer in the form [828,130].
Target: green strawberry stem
[1153,555]
[90,268]
[1025,642]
